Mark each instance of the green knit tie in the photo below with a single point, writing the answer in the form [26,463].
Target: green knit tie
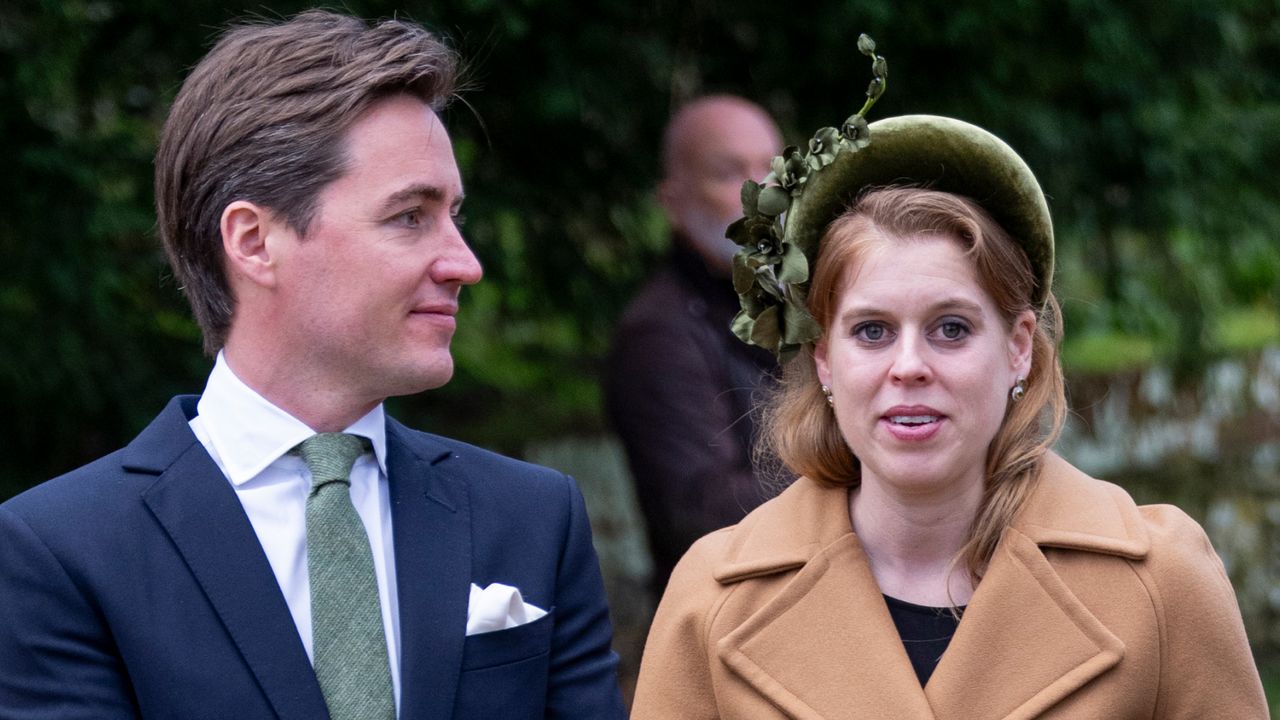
[349,645]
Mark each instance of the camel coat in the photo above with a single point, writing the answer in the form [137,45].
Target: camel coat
[1092,609]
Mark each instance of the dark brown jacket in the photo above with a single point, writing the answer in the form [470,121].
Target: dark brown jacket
[679,391]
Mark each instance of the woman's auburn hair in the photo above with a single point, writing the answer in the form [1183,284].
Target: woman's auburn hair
[799,428]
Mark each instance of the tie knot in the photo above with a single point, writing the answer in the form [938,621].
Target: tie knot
[330,456]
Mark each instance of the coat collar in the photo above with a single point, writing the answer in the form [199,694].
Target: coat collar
[1073,511]
[1067,510]
[828,630]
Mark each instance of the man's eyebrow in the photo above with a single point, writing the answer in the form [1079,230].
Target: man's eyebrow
[420,193]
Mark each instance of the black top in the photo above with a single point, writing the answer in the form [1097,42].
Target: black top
[925,632]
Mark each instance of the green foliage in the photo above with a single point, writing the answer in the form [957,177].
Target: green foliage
[1246,329]
[1269,669]
[1107,352]
[1154,127]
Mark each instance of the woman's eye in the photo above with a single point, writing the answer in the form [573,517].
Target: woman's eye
[870,332]
[953,330]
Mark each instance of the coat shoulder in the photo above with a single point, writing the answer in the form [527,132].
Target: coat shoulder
[1207,664]
[653,304]
[1181,554]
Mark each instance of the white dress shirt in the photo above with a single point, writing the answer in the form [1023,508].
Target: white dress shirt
[250,439]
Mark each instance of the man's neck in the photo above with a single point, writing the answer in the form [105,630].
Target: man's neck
[315,400]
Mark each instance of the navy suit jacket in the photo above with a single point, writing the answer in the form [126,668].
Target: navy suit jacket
[136,587]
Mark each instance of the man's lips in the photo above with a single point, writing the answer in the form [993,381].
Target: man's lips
[449,310]
[440,315]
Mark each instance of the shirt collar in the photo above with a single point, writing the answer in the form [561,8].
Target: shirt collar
[249,433]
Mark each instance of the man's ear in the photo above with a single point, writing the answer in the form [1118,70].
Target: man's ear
[250,234]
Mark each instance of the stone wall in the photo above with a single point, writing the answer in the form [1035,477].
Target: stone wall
[1210,445]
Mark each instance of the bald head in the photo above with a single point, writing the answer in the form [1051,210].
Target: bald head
[718,125]
[709,148]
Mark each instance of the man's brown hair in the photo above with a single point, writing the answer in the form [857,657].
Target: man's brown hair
[262,118]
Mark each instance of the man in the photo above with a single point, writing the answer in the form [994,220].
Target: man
[679,385]
[278,547]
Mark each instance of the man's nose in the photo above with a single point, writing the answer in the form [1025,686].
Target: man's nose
[457,263]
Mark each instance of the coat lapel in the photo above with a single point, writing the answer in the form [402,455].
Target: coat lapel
[431,524]
[1026,642]
[198,509]
[828,630]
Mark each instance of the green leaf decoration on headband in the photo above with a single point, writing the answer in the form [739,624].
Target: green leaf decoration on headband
[771,276]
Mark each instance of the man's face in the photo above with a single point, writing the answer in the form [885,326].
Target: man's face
[717,147]
[371,291]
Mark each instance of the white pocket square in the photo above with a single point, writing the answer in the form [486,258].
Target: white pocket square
[498,607]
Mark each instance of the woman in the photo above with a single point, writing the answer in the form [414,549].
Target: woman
[935,559]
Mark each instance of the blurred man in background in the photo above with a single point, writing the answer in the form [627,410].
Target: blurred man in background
[679,385]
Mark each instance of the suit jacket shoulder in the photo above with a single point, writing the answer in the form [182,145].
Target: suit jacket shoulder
[480,464]
[141,590]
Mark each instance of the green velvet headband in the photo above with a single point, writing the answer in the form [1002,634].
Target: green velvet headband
[785,216]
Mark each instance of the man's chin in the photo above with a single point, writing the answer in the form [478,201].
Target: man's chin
[420,379]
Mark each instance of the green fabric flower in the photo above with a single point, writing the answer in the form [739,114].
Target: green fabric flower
[790,169]
[770,275]
[823,147]
[855,131]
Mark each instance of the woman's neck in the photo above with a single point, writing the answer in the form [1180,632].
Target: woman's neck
[912,540]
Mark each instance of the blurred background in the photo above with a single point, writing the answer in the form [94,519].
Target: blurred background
[1154,128]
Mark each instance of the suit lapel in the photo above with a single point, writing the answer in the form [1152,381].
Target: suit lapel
[829,630]
[431,524]
[198,509]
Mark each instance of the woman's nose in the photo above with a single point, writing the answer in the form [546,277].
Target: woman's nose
[910,363]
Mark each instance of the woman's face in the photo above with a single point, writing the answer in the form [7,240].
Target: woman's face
[920,364]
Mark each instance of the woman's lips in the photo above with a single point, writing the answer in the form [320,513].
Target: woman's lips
[912,423]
